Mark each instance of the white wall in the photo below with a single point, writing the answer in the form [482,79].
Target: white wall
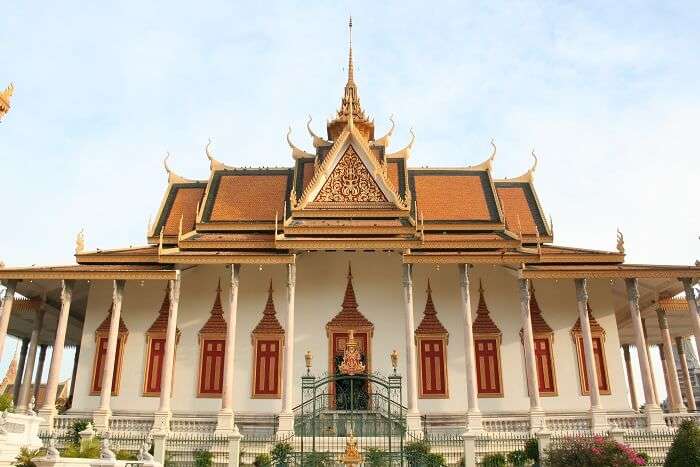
[321,280]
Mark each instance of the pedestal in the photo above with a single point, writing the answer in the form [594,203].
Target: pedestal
[47,414]
[285,423]
[599,420]
[655,418]
[537,420]
[161,423]
[224,422]
[413,423]
[474,422]
[100,419]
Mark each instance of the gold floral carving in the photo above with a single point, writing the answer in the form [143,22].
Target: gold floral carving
[350,182]
[351,364]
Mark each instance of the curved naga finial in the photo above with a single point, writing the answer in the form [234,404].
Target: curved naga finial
[213,163]
[488,163]
[386,139]
[530,174]
[318,141]
[534,165]
[620,242]
[296,152]
[405,152]
[172,176]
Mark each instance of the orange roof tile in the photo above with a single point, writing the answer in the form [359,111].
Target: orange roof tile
[430,324]
[392,171]
[457,196]
[216,324]
[307,175]
[183,205]
[520,208]
[595,327]
[349,316]
[252,197]
[483,324]
[269,324]
[103,328]
[161,322]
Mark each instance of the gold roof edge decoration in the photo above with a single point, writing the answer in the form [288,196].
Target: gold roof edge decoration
[488,163]
[172,176]
[404,153]
[297,153]
[5,96]
[528,176]
[213,163]
[386,139]
[318,141]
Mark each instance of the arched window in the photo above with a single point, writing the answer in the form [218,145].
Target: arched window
[543,340]
[431,341]
[487,351]
[598,338]
[101,340]
[212,343]
[268,341]
[155,348]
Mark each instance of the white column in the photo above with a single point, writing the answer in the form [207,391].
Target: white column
[655,419]
[20,371]
[673,385]
[630,376]
[413,422]
[224,423]
[692,309]
[650,351]
[537,421]
[25,394]
[689,396]
[102,414]
[474,420]
[286,417]
[10,289]
[48,410]
[599,420]
[39,371]
[162,416]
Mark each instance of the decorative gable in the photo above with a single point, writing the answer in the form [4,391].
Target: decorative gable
[430,324]
[350,317]
[103,328]
[350,182]
[539,325]
[269,324]
[595,327]
[160,325]
[216,324]
[483,324]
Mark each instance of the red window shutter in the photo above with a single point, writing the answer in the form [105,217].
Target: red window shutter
[99,365]
[211,378]
[432,360]
[267,367]
[545,370]
[598,353]
[154,370]
[488,372]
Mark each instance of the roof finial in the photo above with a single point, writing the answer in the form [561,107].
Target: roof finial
[349,270]
[351,67]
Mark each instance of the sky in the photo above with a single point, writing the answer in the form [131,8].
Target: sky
[606,93]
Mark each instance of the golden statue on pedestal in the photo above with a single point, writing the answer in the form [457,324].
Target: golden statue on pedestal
[351,456]
[352,360]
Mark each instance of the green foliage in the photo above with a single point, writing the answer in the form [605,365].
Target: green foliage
[75,429]
[532,449]
[263,460]
[90,450]
[26,457]
[124,455]
[433,459]
[6,402]
[281,454]
[375,457]
[685,449]
[494,460]
[317,459]
[203,458]
[596,452]
[518,458]
[416,452]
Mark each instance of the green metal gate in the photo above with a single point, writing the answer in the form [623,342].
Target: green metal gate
[337,407]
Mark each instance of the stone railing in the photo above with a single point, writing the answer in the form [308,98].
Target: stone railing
[634,421]
[512,424]
[673,420]
[568,423]
[130,423]
[193,424]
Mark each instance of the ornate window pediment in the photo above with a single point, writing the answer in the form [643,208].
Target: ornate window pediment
[487,351]
[212,343]
[101,340]
[431,340]
[268,342]
[601,366]
[155,345]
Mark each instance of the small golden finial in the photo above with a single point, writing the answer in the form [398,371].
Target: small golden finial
[620,242]
[80,242]
[5,99]
[308,358]
[394,359]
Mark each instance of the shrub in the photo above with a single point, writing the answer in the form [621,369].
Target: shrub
[375,457]
[75,429]
[203,458]
[596,452]
[416,452]
[91,450]
[6,402]
[26,457]
[517,458]
[262,460]
[685,449]
[532,450]
[494,460]
[124,455]
[281,454]
[317,459]
[434,460]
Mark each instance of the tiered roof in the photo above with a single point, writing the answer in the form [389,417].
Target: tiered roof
[430,324]
[216,324]
[349,316]
[483,324]
[269,324]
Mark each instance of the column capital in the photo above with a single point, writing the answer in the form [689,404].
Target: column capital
[407,275]
[632,290]
[663,319]
[463,274]
[291,275]
[524,288]
[581,290]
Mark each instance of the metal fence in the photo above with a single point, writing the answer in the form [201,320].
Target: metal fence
[183,449]
[499,443]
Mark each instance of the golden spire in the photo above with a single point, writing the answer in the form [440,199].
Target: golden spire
[5,99]
[351,67]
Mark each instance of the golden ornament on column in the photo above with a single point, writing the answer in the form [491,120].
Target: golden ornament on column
[394,359]
[308,357]
[351,456]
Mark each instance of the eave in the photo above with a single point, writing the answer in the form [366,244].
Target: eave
[95,272]
[346,243]
[224,257]
[622,271]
